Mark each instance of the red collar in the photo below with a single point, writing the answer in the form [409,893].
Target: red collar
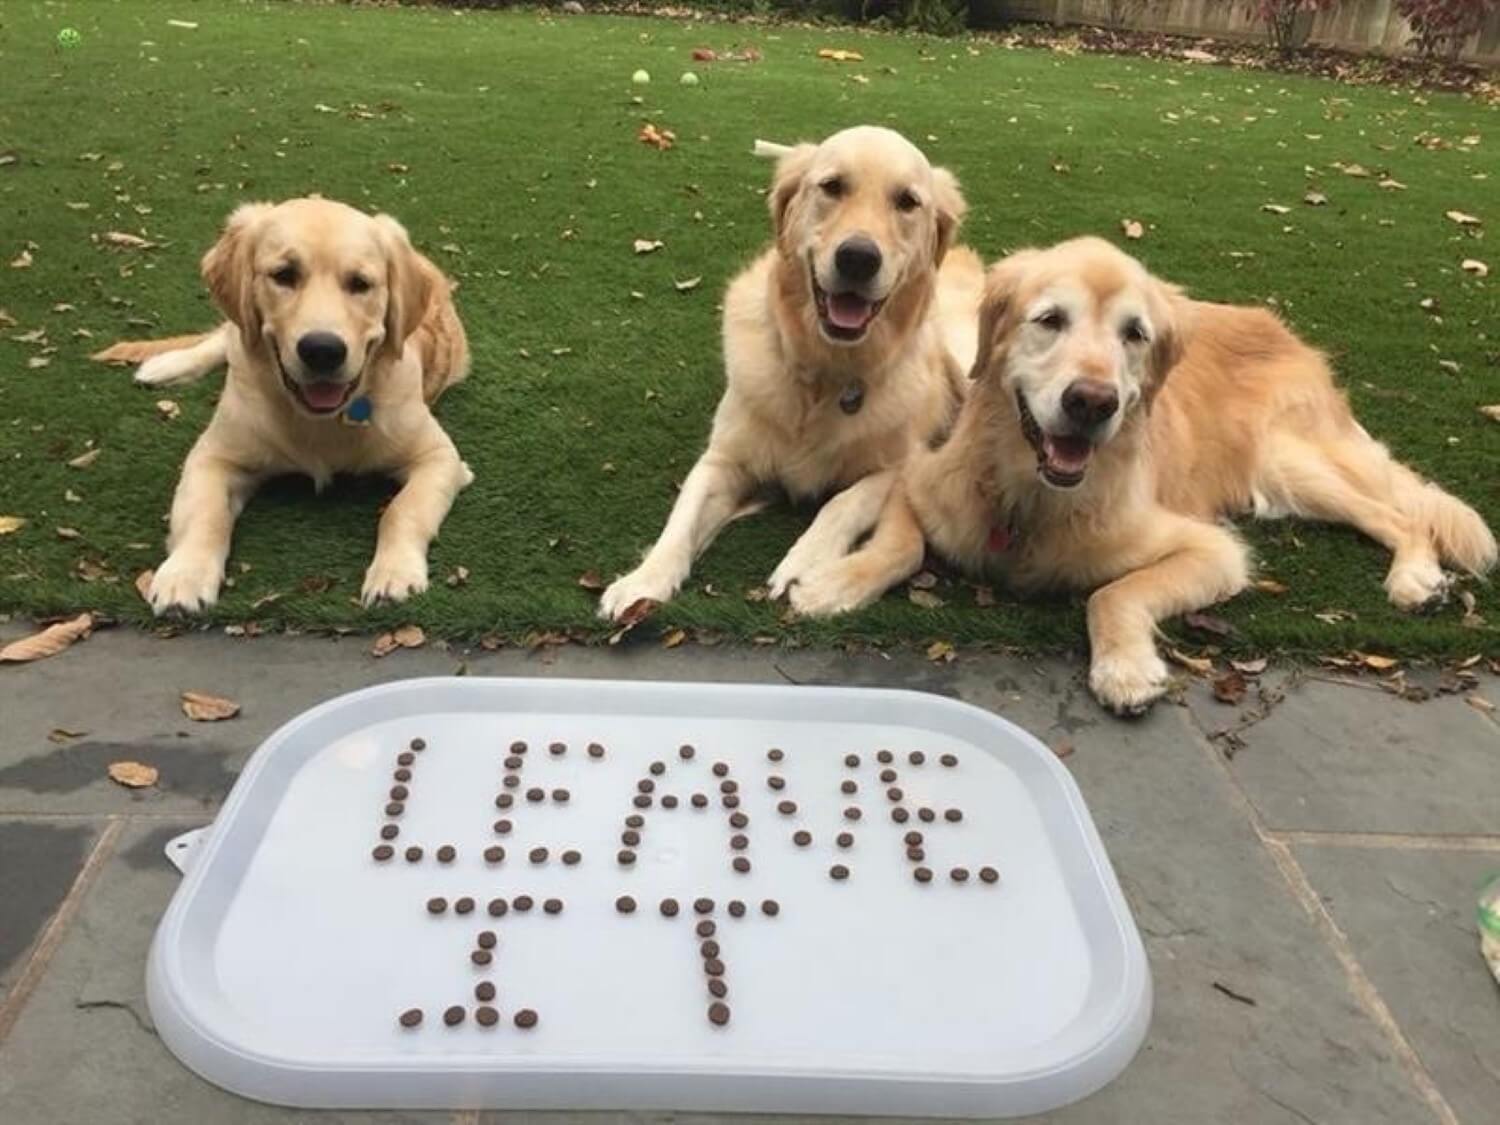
[1000,539]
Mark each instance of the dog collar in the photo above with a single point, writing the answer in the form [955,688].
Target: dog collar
[358,412]
[1000,539]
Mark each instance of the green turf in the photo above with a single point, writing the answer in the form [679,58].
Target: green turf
[506,143]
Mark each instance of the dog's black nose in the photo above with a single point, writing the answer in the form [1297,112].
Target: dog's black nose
[323,352]
[857,259]
[1089,402]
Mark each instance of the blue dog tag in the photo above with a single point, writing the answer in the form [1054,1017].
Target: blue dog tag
[358,412]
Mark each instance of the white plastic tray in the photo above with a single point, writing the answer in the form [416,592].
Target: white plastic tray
[287,954]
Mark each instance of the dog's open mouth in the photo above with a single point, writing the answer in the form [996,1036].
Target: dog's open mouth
[1061,459]
[843,316]
[325,396]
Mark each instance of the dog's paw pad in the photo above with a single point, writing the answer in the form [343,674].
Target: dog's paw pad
[627,591]
[1418,589]
[1128,685]
[393,581]
[184,585]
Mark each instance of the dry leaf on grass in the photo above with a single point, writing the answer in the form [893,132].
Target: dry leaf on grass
[69,533]
[1275,208]
[1250,667]
[133,775]
[168,409]
[660,139]
[21,261]
[125,240]
[1208,623]
[922,580]
[458,576]
[143,582]
[941,652]
[64,734]
[674,638]
[204,708]
[636,612]
[1391,185]
[9,525]
[84,460]
[48,642]
[1375,662]
[924,598]
[1201,665]
[1132,229]
[410,636]
[1462,219]
[1315,199]
[1230,688]
[1474,266]
[1270,586]
[1480,703]
[647,245]
[836,54]
[590,580]
[687,284]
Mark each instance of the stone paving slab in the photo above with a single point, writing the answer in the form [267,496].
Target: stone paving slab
[38,863]
[1409,916]
[1209,901]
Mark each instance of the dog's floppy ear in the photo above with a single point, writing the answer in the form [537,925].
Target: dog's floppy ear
[1172,323]
[228,270]
[409,285]
[949,206]
[997,307]
[786,182]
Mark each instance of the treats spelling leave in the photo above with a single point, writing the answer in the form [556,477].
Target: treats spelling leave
[652,797]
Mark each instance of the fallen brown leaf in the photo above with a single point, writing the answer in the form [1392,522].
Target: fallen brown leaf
[9,525]
[1475,266]
[1462,219]
[143,582]
[1315,199]
[21,261]
[204,708]
[47,642]
[384,645]
[1375,662]
[636,612]
[941,652]
[687,284]
[410,636]
[133,775]
[1480,703]
[1270,586]
[836,54]
[590,580]
[168,409]
[63,734]
[1230,688]
[1201,665]
[1132,229]
[1491,412]
[84,460]
[1208,623]
[459,576]
[660,139]
[1250,667]
[1275,208]
[925,598]
[647,245]
[922,580]
[674,638]
[126,241]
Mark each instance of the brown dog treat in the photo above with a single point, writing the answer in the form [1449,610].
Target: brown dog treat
[885,757]
[887,776]
[595,750]
[949,760]
[561,796]
[657,768]
[770,907]
[481,956]
[708,949]
[669,907]
[844,839]
[553,906]
[394,808]
[927,816]
[699,800]
[518,747]
[498,907]
[535,794]
[630,837]
[389,831]
[916,757]
[922,875]
[625,904]
[437,904]
[514,762]
[775,755]
[786,808]
[526,1018]
[741,864]
[418,744]
[989,875]
[802,837]
[453,1016]
[776,781]
[464,905]
[411,1017]
[668,801]
[523,903]
[537,855]
[642,801]
[634,820]
[718,1013]
[894,794]
[625,857]
[839,871]
[953,816]
[486,1016]
[730,801]
[703,905]
[494,854]
[717,987]
[900,815]
[403,774]
[382,852]
[916,855]
[505,801]
[447,853]
[852,813]
[729,785]
[849,787]
[511,780]
[959,874]
[399,792]
[645,785]
[720,769]
[912,838]
[557,748]
[413,854]
[502,827]
[706,928]
[685,751]
[713,967]
[851,760]
[739,841]
[405,759]
[738,820]
[486,939]
[485,991]
[572,856]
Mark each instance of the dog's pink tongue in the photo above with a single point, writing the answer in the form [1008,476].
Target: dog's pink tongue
[1068,452]
[323,396]
[848,310]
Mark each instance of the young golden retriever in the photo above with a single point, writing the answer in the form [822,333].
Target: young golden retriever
[1079,462]
[339,337]
[844,349]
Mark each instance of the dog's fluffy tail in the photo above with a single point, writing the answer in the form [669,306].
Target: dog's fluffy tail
[176,359]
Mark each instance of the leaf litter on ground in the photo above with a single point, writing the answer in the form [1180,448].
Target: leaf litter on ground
[49,641]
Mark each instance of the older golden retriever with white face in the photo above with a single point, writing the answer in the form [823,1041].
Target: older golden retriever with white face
[1112,421]
[844,347]
[339,337]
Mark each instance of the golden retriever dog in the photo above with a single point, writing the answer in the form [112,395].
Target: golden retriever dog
[339,337]
[845,345]
[1111,422]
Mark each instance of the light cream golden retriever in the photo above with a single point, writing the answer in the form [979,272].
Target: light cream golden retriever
[339,337]
[844,349]
[1110,423]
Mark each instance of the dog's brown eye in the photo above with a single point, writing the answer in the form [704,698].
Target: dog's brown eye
[906,201]
[285,276]
[1053,320]
[357,284]
[1134,332]
[833,187]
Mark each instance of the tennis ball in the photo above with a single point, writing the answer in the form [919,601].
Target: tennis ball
[69,37]
[640,78]
[688,78]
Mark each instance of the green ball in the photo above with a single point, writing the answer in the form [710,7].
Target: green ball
[640,77]
[689,78]
[69,37]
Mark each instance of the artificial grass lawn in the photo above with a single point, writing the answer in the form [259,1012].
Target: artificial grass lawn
[506,143]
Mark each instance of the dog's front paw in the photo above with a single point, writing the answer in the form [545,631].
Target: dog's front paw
[829,590]
[642,582]
[1417,587]
[1128,683]
[187,583]
[394,578]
